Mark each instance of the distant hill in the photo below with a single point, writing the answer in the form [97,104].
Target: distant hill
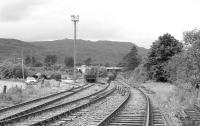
[99,51]
[10,48]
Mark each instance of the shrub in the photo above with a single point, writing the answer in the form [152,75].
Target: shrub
[140,74]
[11,70]
[14,95]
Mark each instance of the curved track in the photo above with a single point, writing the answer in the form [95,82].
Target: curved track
[135,110]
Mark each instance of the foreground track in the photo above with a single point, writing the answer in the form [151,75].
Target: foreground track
[50,113]
[29,106]
[37,104]
[60,117]
[136,110]
[82,116]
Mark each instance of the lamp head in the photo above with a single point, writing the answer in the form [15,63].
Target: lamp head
[75,18]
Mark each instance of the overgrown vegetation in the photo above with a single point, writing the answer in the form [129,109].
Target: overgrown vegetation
[16,95]
[174,62]
[50,60]
[69,61]
[131,60]
[9,69]
[185,67]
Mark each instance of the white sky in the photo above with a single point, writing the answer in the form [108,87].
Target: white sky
[137,21]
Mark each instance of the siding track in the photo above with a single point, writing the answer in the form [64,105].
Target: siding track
[37,116]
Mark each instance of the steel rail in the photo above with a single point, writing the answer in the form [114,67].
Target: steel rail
[148,109]
[25,116]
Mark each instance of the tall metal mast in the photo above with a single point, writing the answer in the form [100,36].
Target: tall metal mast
[75,19]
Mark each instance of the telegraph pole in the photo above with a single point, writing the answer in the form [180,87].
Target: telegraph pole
[75,19]
[22,63]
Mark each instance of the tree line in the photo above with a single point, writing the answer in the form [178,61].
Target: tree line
[168,60]
[51,60]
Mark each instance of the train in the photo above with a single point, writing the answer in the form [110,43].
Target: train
[91,74]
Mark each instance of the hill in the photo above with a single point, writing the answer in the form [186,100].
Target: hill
[99,51]
[12,48]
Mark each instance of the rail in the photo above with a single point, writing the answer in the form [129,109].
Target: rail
[148,109]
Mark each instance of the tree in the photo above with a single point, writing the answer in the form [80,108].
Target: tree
[38,64]
[69,61]
[191,37]
[28,60]
[11,70]
[33,61]
[88,61]
[50,60]
[107,65]
[132,59]
[161,51]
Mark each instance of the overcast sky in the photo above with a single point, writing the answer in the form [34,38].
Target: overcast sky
[137,21]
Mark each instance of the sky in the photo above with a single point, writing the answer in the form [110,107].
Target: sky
[137,21]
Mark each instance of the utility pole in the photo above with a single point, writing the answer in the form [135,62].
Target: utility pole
[22,63]
[75,19]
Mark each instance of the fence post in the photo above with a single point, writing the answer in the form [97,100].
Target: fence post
[4,89]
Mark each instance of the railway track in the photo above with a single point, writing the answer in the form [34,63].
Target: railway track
[8,111]
[79,113]
[193,116]
[135,110]
[44,114]
[36,104]
[58,114]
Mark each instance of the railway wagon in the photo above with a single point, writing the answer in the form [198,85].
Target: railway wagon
[111,76]
[91,75]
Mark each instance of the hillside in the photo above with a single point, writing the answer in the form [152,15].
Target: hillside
[10,48]
[100,51]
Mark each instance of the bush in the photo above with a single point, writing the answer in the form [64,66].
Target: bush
[11,70]
[14,95]
[183,69]
[140,74]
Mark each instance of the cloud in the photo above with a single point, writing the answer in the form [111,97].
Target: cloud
[16,10]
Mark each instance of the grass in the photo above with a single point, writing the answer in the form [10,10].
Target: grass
[16,95]
[171,99]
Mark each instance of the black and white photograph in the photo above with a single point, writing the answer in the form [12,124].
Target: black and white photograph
[99,63]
